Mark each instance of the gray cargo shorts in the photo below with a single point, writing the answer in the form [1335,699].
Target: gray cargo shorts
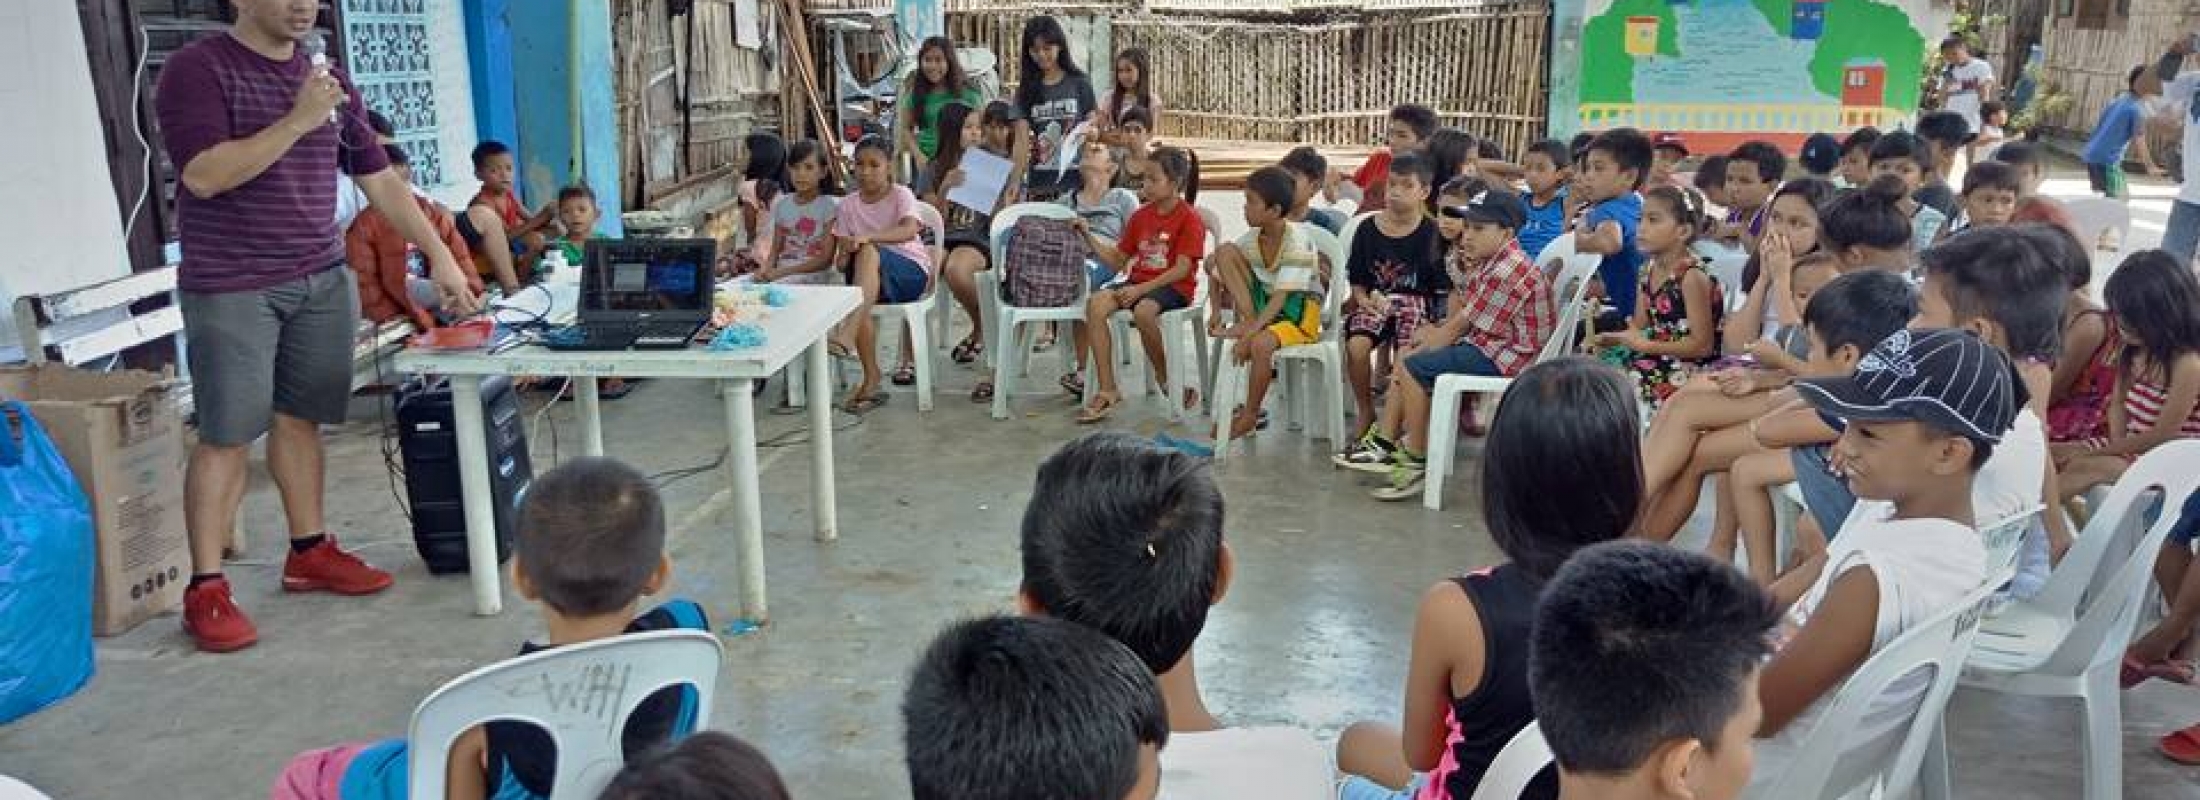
[285,349]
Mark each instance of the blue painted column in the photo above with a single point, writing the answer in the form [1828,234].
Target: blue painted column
[564,93]
[489,57]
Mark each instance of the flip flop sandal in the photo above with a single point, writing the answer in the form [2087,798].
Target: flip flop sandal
[982,392]
[2181,746]
[840,351]
[863,405]
[1074,384]
[1098,412]
[904,376]
[967,351]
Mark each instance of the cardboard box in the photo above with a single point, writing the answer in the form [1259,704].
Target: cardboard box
[122,436]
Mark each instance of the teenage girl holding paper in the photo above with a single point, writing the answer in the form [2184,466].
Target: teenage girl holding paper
[1055,98]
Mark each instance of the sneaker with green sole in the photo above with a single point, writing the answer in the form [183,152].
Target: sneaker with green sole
[1370,454]
[1407,474]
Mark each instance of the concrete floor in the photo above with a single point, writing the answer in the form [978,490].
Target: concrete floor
[1314,633]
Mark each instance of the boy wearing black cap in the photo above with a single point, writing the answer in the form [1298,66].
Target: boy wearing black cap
[1500,315]
[1924,409]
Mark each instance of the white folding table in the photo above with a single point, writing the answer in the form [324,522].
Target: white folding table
[802,324]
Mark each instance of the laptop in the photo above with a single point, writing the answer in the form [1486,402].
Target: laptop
[642,294]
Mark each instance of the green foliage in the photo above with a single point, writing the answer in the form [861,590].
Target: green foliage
[1865,29]
[1613,79]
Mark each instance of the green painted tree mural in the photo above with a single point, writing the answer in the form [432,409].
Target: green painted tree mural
[1607,33]
[1865,29]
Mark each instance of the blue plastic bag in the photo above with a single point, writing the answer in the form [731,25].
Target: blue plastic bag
[45,571]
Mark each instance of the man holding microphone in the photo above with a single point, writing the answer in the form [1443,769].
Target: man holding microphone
[255,124]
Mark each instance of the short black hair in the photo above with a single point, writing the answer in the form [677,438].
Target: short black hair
[2018,154]
[488,148]
[1821,154]
[1467,186]
[1870,216]
[591,532]
[1954,42]
[1901,145]
[1859,309]
[577,191]
[1990,108]
[1771,164]
[1126,536]
[1710,174]
[1306,162]
[1579,145]
[1420,118]
[1947,129]
[1628,147]
[2065,251]
[1992,175]
[1488,148]
[710,765]
[1860,139]
[1417,165]
[1009,708]
[1449,150]
[1552,149]
[2131,81]
[1637,644]
[2007,275]
[1562,467]
[380,123]
[1274,186]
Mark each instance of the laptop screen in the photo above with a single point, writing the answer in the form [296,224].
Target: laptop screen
[649,276]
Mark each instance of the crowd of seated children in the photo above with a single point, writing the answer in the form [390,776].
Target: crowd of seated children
[505,240]
[881,247]
[1645,663]
[1562,474]
[1500,317]
[1159,256]
[1674,330]
[590,546]
[1396,274]
[707,766]
[1125,537]
[1273,309]
[1907,158]
[1609,177]
[1856,157]
[1923,412]
[393,279]
[1013,708]
[1547,168]
[2157,397]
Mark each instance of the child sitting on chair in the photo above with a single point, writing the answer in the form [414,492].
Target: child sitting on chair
[591,545]
[1015,708]
[1501,316]
[1160,249]
[1126,537]
[882,246]
[1924,410]
[1275,308]
[1645,665]
[1396,269]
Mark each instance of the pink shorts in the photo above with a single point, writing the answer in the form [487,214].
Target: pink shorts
[316,774]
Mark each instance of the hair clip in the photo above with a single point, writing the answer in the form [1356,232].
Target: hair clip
[1151,552]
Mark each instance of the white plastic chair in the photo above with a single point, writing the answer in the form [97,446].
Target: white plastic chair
[2097,216]
[2004,539]
[2069,640]
[1831,762]
[1727,266]
[1325,356]
[1009,349]
[581,695]
[1516,766]
[1571,287]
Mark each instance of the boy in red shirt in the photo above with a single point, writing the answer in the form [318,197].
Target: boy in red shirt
[505,241]
[1160,248]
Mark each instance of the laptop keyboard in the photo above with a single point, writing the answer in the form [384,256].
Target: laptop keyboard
[614,336]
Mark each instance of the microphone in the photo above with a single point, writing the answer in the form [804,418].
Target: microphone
[317,52]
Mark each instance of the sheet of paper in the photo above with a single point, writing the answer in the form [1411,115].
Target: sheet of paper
[1073,144]
[984,176]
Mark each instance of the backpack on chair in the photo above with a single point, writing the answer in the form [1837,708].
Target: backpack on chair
[1046,263]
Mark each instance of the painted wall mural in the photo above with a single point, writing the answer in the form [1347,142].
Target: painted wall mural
[1724,71]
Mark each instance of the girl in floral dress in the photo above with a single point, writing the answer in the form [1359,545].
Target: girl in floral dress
[1676,326]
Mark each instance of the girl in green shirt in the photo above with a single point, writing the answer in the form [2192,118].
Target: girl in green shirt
[939,80]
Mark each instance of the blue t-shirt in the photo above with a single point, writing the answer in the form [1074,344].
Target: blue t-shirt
[1545,222]
[1619,270]
[2119,123]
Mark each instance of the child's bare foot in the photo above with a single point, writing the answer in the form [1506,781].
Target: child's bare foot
[1244,423]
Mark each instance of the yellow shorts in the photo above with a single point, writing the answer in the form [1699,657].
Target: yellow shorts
[1306,330]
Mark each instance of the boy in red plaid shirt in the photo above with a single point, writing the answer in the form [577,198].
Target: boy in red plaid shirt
[1499,318]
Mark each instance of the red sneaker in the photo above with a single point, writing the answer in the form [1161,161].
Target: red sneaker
[214,621]
[325,568]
